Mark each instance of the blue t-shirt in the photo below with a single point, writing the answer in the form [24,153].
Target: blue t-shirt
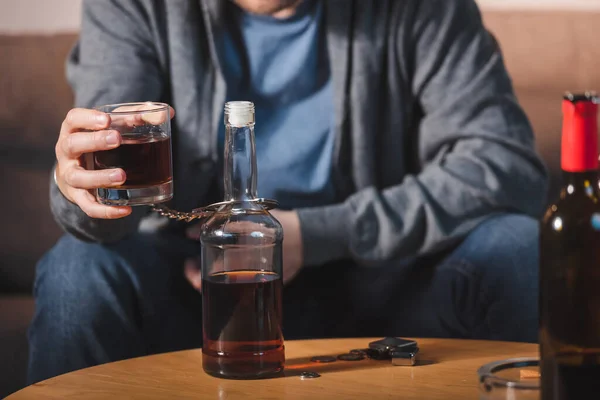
[282,66]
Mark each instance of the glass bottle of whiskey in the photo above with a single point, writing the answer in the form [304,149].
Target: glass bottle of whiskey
[242,267]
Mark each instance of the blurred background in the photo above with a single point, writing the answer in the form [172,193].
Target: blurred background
[550,46]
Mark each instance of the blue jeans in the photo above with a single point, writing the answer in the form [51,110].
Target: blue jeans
[100,303]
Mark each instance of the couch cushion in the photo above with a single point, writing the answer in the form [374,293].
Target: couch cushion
[34,97]
[548,49]
[547,53]
[15,316]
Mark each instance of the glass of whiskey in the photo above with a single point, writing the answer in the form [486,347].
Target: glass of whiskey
[145,154]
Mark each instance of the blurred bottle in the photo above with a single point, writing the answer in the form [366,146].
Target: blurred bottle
[570,263]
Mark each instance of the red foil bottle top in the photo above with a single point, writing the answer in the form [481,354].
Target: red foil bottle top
[580,132]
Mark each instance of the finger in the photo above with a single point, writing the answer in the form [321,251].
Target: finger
[76,144]
[81,178]
[93,209]
[192,272]
[81,118]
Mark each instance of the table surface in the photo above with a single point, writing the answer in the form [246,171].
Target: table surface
[447,370]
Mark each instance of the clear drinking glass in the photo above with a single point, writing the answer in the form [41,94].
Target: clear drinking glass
[242,267]
[144,154]
[511,379]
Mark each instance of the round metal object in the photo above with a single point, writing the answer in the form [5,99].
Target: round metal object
[489,379]
[362,352]
[351,357]
[309,375]
[323,359]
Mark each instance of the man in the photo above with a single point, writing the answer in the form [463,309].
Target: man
[388,130]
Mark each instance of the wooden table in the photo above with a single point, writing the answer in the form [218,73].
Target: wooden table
[447,370]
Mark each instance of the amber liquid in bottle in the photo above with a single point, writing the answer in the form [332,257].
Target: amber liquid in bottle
[243,330]
[570,264]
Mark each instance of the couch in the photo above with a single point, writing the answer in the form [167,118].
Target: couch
[34,98]
[547,53]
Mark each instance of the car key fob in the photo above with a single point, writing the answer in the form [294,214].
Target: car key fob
[389,344]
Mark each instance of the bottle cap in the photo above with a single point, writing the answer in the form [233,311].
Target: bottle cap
[239,113]
[580,132]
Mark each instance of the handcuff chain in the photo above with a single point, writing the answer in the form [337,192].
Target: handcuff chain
[177,215]
[208,211]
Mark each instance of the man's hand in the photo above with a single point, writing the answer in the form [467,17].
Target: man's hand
[292,243]
[86,131]
[292,249]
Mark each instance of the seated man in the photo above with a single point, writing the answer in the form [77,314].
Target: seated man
[388,131]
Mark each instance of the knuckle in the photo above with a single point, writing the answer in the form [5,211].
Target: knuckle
[58,149]
[64,127]
[68,144]
[59,174]
[70,176]
[87,208]
[88,211]
[100,180]
[98,137]
[71,117]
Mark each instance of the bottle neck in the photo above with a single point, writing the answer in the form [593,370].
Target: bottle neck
[240,163]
